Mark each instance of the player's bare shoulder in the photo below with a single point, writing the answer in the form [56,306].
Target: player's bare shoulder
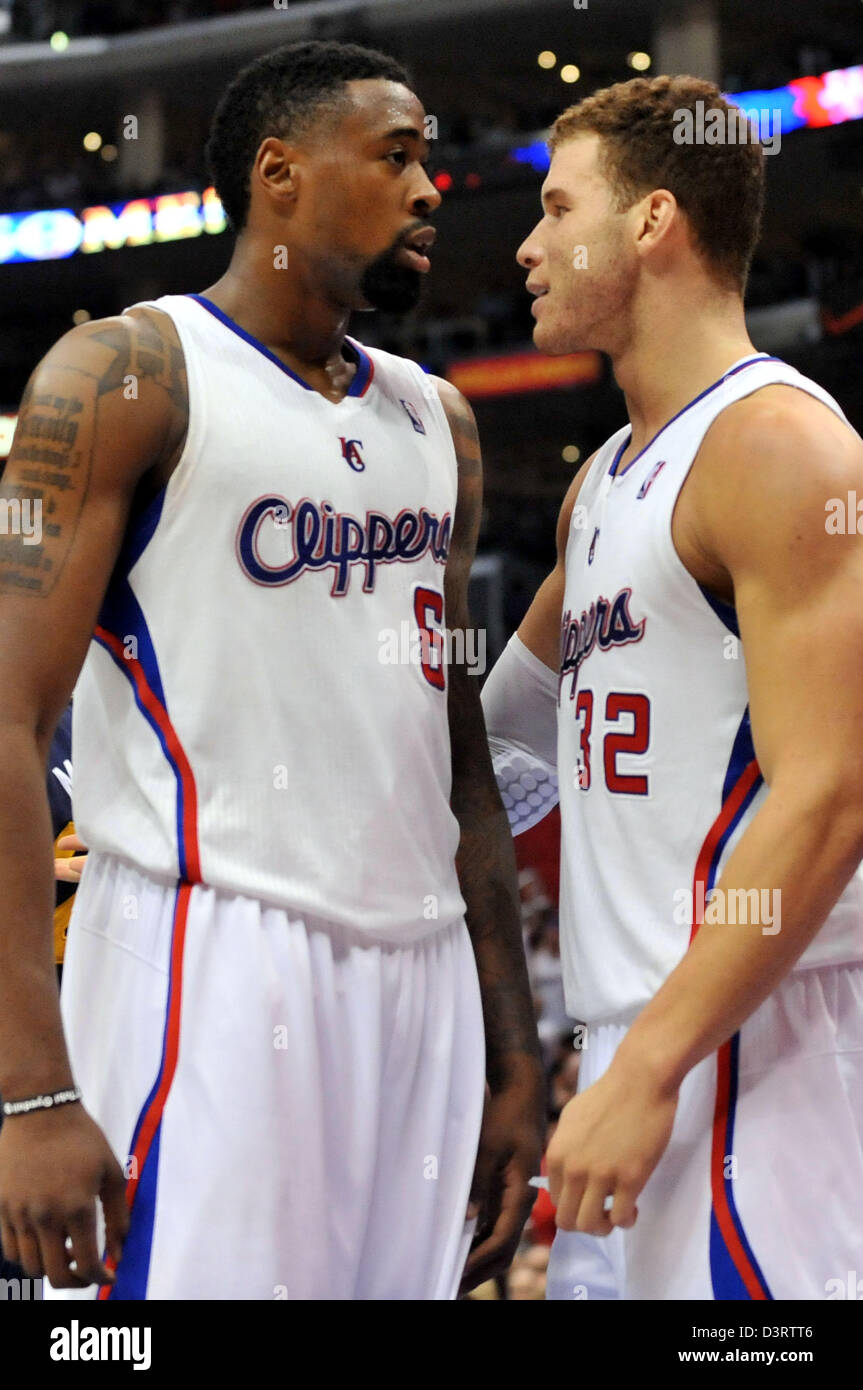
[143,357]
[567,515]
[468,509]
[770,464]
[103,409]
[124,361]
[773,424]
[462,423]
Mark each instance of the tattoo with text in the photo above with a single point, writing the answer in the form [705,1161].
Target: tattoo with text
[51,460]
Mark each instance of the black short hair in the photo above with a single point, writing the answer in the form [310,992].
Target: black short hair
[282,93]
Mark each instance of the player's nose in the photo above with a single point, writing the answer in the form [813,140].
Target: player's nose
[530,253]
[426,198]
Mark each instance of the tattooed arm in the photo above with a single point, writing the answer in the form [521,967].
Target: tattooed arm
[102,414]
[511,1142]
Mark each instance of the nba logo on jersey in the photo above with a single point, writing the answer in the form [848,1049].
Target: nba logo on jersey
[414,416]
[654,473]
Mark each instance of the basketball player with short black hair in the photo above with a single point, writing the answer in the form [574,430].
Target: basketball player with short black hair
[295,955]
[690,675]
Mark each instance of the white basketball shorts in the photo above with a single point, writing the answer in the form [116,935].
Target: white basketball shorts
[759,1194]
[297,1107]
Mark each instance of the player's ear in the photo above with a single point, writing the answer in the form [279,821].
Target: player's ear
[654,217]
[277,168]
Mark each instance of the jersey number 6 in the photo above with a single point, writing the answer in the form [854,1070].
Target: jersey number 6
[428,612]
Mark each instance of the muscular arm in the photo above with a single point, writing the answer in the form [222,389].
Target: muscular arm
[99,411]
[770,466]
[485,860]
[511,1141]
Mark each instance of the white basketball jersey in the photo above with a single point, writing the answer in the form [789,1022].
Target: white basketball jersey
[658,776]
[257,711]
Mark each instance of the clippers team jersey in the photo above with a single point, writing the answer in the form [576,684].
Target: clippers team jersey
[657,771]
[263,707]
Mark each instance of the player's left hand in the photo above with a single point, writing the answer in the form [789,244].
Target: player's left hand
[607,1143]
[510,1151]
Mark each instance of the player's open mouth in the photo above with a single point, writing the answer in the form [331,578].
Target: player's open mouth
[412,252]
[414,259]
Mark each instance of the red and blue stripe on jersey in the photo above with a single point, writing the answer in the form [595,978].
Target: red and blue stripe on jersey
[122,618]
[734,1270]
[143,1162]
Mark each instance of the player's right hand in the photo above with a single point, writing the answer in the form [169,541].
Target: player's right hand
[69,870]
[54,1164]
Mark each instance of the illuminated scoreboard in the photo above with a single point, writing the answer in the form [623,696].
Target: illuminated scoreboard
[54,234]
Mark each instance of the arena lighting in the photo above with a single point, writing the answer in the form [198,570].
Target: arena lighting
[513,373]
[547,59]
[831,99]
[570,73]
[59,41]
[638,60]
[7,430]
[55,234]
[837,324]
[813,102]
[442,181]
[92,141]
[535,154]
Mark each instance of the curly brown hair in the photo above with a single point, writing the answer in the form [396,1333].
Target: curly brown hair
[720,187]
